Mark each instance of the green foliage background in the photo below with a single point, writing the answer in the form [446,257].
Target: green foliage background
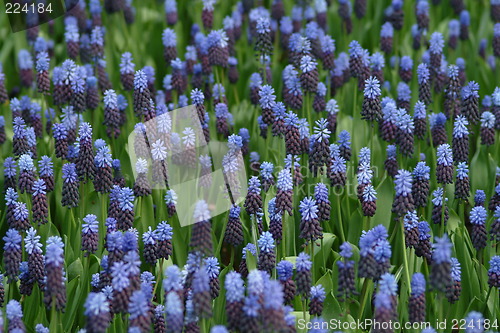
[143,40]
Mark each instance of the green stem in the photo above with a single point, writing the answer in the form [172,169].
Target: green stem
[203,325]
[405,258]
[310,247]
[73,221]
[364,295]
[441,231]
[495,301]
[53,316]
[308,106]
[348,201]
[156,284]
[82,202]
[28,199]
[371,137]
[218,76]
[341,223]
[480,260]
[355,100]
[86,265]
[139,206]
[324,259]
[461,207]
[236,95]
[233,250]
[441,305]
[366,223]
[103,218]
[46,106]
[254,230]
[283,243]
[11,290]
[304,306]
[486,300]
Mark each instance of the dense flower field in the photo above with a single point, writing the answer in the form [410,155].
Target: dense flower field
[262,165]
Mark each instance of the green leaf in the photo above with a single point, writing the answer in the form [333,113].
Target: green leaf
[251,261]
[73,292]
[331,307]
[75,269]
[326,282]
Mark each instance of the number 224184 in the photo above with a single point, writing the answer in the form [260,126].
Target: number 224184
[17,8]
[483,324]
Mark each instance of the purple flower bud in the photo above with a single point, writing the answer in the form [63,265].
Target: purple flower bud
[442,250]
[387,31]
[436,43]
[372,88]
